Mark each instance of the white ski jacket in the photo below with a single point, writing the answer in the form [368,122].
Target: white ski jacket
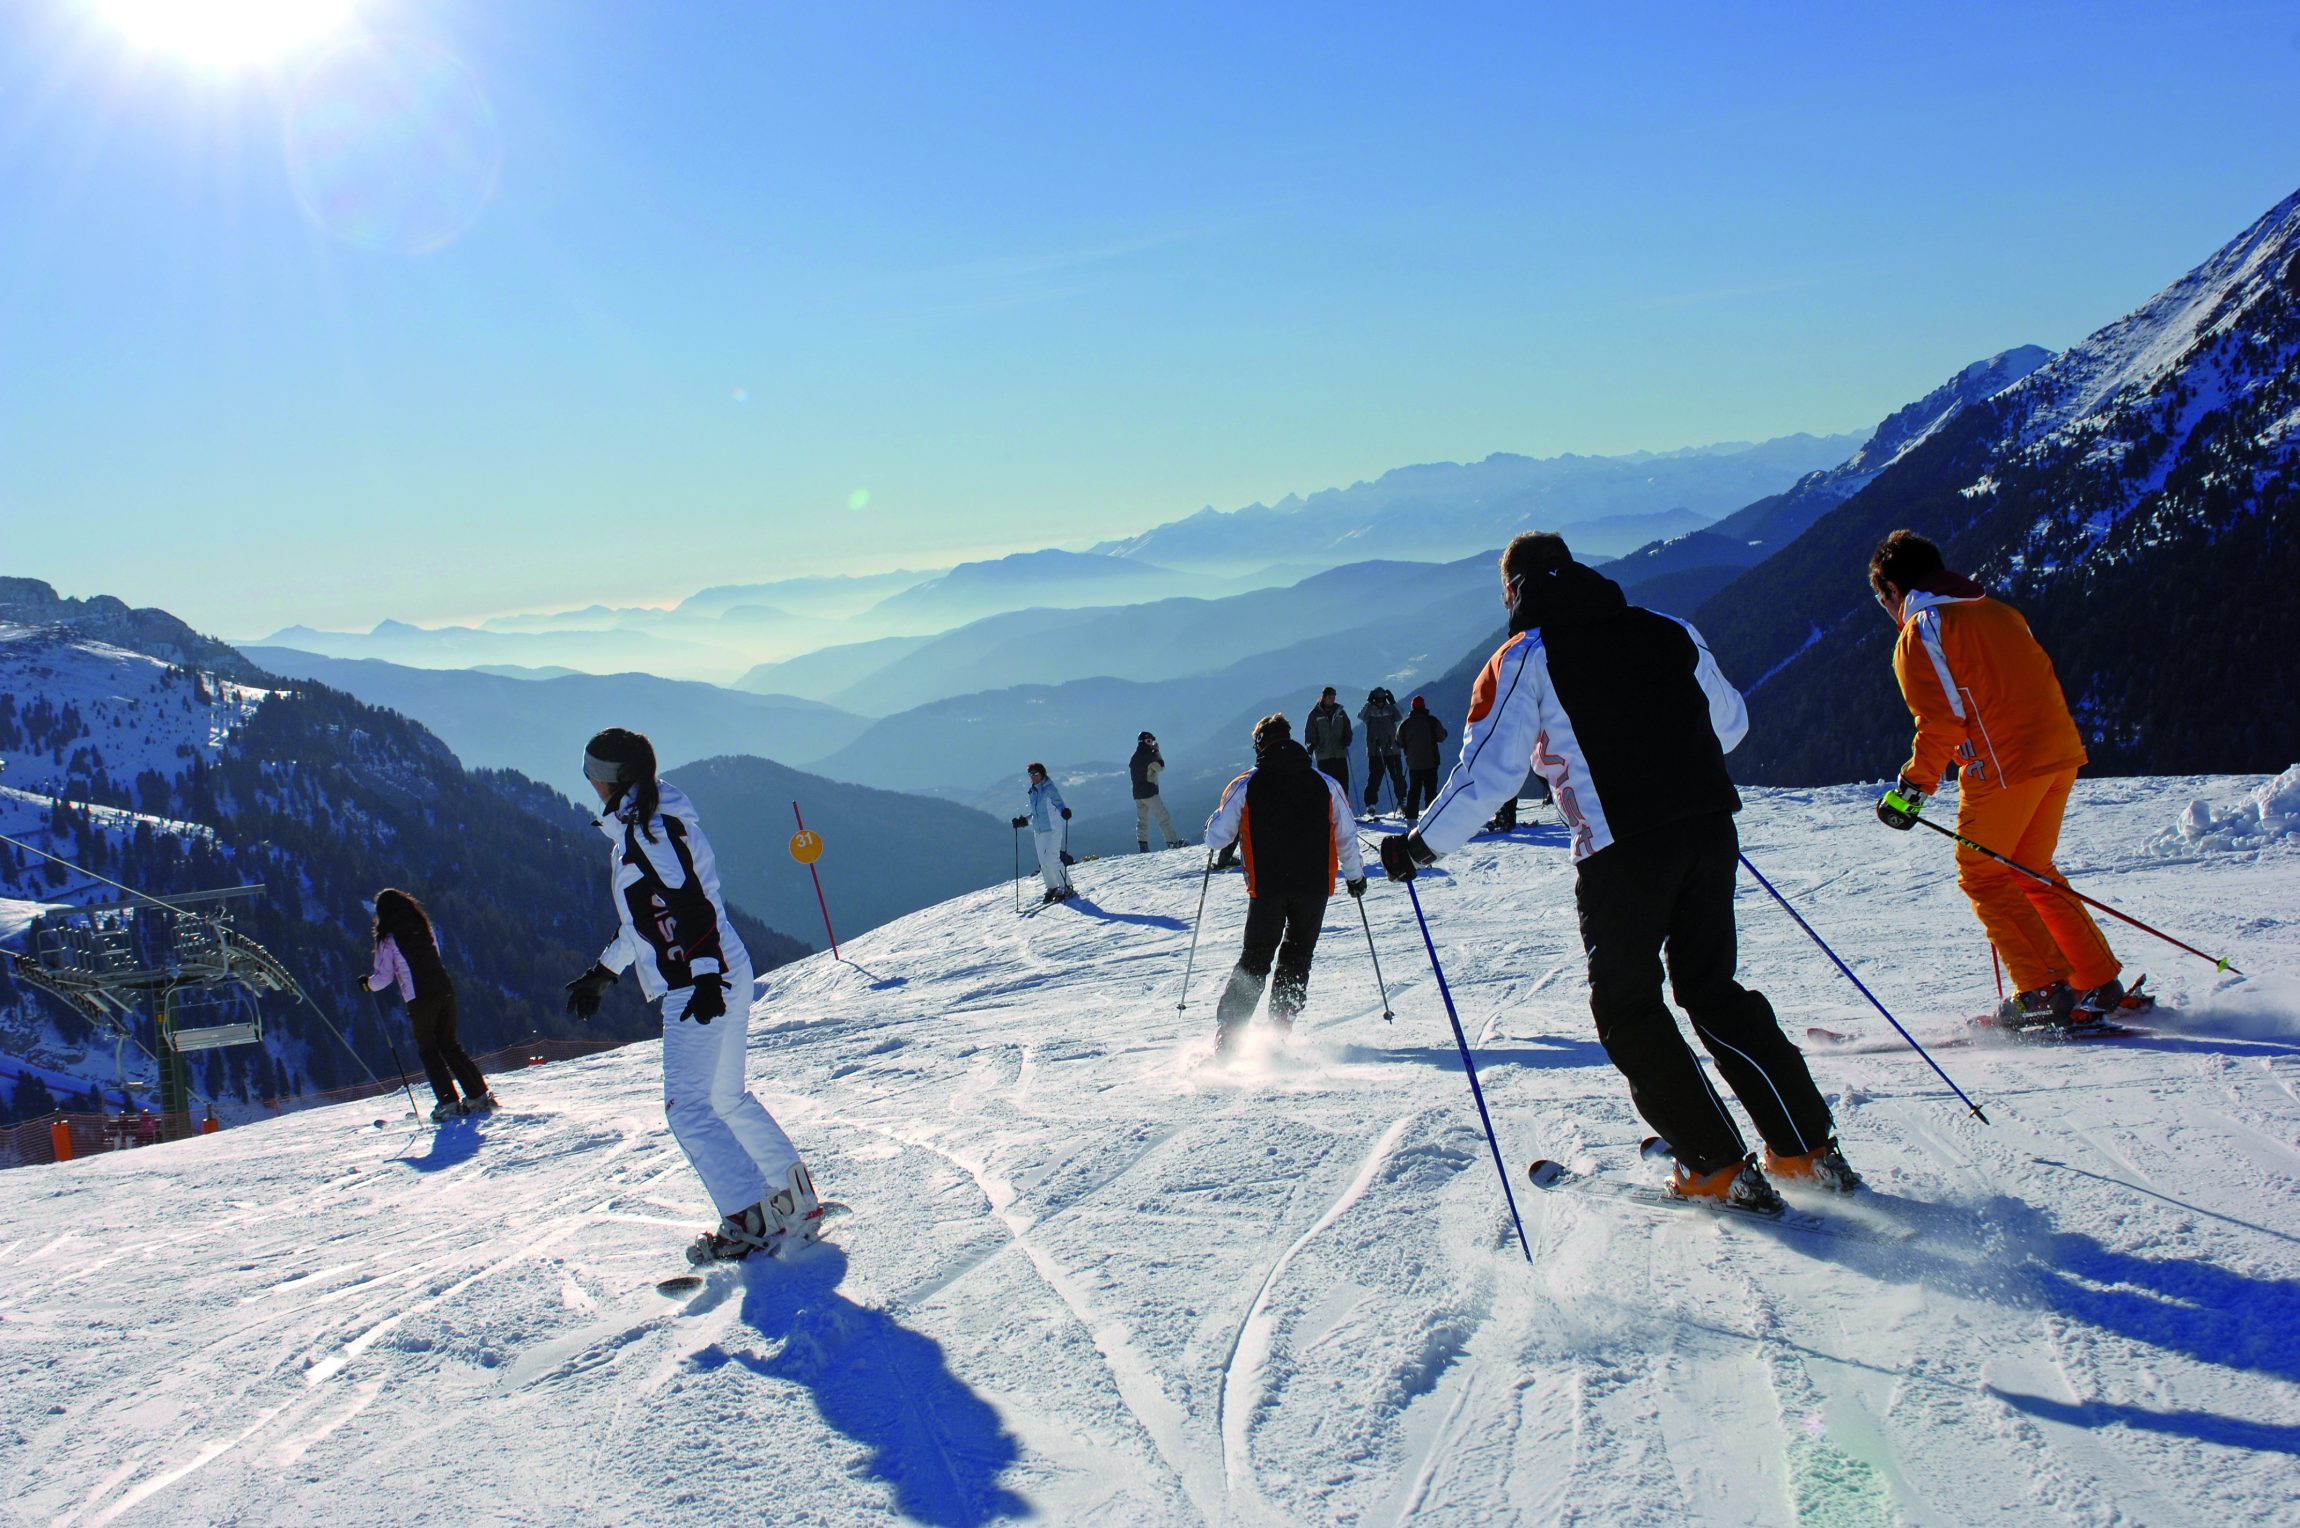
[674,921]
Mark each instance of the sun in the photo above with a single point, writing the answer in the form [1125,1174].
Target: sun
[224,34]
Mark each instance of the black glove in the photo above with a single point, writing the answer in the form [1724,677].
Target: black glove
[1356,888]
[585,991]
[709,1000]
[1066,859]
[1066,814]
[1901,806]
[1022,822]
[1398,859]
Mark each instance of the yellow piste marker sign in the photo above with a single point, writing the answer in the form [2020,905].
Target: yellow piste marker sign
[806,846]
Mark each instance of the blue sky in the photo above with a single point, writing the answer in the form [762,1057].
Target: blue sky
[699,276]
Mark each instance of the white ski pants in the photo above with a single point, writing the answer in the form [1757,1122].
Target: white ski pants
[1143,807]
[734,1144]
[1050,860]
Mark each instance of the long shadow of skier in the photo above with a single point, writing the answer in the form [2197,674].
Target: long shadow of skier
[451,1143]
[1539,1051]
[2206,1426]
[1082,904]
[938,1446]
[2007,1249]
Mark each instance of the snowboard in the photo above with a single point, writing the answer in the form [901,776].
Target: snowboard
[1555,1176]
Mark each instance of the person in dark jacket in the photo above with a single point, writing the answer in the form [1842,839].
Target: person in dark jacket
[1295,828]
[407,957]
[1418,738]
[1146,766]
[1626,714]
[1326,734]
[1380,714]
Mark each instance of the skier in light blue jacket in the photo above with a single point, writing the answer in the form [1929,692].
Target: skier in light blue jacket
[1047,814]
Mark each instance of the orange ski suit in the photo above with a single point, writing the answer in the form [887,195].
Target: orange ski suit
[1985,698]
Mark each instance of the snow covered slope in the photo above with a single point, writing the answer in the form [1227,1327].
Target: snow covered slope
[1093,1277]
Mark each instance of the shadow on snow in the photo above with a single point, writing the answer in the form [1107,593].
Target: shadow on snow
[938,1446]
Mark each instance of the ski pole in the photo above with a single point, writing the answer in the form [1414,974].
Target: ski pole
[1018,870]
[1865,992]
[384,1025]
[1384,987]
[1467,1065]
[1191,964]
[2220,962]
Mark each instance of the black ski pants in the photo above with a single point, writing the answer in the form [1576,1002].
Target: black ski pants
[1340,770]
[1280,926]
[1378,765]
[1668,894]
[1421,792]
[444,1062]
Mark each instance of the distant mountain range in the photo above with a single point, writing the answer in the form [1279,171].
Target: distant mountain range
[760,636]
[1446,510]
[2137,498]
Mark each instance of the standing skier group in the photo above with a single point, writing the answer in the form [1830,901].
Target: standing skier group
[1625,717]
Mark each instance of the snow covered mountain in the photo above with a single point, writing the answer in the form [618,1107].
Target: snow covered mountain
[175,779]
[1091,1278]
[2137,497]
[1679,574]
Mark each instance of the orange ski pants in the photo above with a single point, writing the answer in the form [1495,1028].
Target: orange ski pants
[2044,936]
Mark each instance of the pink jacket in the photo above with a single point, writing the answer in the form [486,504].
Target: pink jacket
[391,966]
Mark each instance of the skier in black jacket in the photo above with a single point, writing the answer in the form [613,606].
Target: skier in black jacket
[1627,716]
[1419,735]
[407,956]
[1145,767]
[1295,826]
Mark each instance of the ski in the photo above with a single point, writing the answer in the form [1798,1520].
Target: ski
[1837,1042]
[1555,1176]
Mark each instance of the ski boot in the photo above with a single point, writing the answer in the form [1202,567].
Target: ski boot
[2035,1008]
[2097,1005]
[1736,1186]
[445,1110]
[794,1210]
[737,1237]
[1052,896]
[1142,845]
[1826,1168]
[483,1103]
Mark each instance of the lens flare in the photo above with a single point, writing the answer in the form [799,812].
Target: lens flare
[392,145]
[224,34]
[859,499]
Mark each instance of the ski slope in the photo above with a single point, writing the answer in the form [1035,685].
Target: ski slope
[1093,1277]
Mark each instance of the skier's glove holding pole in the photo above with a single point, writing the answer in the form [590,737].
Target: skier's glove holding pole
[1901,806]
[1356,888]
[1066,814]
[1403,856]
[585,991]
[709,1000]
[1022,822]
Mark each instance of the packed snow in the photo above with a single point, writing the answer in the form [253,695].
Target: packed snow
[1091,1275]
[2259,817]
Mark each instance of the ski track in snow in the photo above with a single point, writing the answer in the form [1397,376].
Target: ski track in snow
[1092,1276]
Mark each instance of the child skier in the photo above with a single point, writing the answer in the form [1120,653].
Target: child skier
[1627,715]
[407,956]
[1294,823]
[1985,699]
[1047,834]
[675,930]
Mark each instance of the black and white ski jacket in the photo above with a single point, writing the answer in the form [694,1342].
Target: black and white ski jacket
[1622,710]
[674,922]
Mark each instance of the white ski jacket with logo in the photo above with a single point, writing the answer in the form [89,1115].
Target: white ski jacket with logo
[1622,710]
[666,892]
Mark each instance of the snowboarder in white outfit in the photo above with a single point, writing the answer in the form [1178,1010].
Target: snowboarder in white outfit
[676,932]
[1047,814]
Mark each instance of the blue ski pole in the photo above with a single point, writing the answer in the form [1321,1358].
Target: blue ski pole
[1865,992]
[1469,1066]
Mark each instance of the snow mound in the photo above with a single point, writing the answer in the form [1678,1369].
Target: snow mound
[1092,1275]
[2265,814]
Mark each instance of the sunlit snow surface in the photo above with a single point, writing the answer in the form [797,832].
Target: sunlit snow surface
[1091,1276]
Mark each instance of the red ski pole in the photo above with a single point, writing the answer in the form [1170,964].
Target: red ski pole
[806,848]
